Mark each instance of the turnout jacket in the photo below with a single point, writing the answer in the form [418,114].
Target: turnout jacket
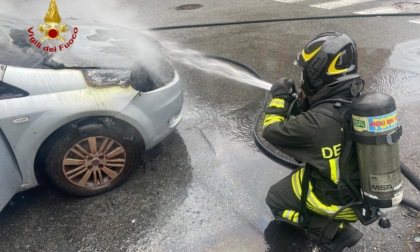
[315,137]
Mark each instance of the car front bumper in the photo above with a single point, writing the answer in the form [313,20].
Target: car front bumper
[155,114]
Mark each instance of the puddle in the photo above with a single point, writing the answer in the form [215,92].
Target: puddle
[406,56]
[400,76]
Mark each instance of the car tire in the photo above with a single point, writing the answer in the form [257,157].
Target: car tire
[90,160]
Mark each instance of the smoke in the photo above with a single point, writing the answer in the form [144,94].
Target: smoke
[109,11]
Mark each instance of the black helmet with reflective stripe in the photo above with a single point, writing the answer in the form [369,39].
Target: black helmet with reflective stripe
[328,59]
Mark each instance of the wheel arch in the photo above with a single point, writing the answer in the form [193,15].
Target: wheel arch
[79,124]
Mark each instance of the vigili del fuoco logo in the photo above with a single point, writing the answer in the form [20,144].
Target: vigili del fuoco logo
[53,36]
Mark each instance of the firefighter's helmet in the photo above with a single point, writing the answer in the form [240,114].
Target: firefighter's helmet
[328,59]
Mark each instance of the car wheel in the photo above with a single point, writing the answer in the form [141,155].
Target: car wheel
[90,161]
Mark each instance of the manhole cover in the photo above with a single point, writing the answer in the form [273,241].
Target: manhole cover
[408,6]
[189,7]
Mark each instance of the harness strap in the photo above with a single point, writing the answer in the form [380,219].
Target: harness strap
[348,151]
[304,195]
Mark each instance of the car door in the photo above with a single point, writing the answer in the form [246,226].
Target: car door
[10,177]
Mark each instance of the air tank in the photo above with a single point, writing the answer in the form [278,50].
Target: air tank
[376,133]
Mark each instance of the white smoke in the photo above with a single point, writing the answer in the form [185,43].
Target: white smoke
[109,11]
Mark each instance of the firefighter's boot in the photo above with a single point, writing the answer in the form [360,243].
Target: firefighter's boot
[346,238]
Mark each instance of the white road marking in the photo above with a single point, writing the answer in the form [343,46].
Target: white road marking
[416,21]
[344,3]
[338,4]
[288,1]
[380,10]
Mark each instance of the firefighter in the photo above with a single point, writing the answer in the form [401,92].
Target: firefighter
[311,195]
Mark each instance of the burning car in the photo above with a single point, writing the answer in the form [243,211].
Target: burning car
[81,117]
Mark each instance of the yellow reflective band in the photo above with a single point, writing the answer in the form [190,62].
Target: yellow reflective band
[315,205]
[318,207]
[296,183]
[332,70]
[277,102]
[334,170]
[347,213]
[307,57]
[269,122]
[291,215]
[295,217]
[271,118]
[286,214]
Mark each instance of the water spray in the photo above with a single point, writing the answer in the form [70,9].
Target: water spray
[215,65]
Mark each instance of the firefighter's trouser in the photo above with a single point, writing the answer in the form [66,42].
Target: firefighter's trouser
[283,198]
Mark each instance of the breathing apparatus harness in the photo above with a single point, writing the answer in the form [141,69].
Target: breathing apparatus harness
[365,201]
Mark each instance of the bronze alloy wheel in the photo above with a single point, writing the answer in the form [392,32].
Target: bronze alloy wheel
[94,162]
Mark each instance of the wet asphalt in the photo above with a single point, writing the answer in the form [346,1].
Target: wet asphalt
[203,188]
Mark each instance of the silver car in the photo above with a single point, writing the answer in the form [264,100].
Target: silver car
[83,117]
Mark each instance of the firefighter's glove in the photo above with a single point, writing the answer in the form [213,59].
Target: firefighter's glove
[282,88]
[282,97]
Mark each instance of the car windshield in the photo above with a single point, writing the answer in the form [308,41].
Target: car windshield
[84,45]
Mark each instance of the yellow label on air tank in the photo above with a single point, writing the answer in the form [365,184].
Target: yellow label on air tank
[375,123]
